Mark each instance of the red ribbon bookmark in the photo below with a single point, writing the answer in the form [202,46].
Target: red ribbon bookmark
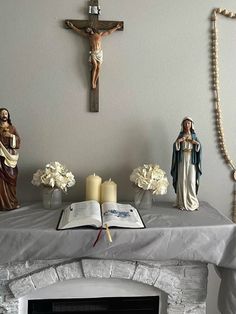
[98,236]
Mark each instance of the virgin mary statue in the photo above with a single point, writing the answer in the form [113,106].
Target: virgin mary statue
[186,166]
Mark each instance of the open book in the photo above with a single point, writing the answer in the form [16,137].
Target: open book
[90,213]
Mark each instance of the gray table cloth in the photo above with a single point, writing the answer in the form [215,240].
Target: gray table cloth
[206,235]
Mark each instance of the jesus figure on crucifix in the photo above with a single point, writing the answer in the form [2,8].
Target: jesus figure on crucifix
[95,42]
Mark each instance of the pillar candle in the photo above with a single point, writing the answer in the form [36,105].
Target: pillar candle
[108,191]
[93,188]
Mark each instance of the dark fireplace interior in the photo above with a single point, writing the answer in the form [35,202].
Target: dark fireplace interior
[124,305]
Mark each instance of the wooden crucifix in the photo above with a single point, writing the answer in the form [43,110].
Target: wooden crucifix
[94,30]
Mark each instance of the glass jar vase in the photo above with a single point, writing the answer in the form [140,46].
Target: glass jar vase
[52,198]
[142,198]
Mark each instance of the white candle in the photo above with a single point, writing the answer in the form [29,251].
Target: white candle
[93,187]
[108,191]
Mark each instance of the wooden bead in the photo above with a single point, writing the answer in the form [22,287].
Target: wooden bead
[213,17]
[214,82]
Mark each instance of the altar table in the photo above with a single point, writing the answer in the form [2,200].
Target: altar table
[206,235]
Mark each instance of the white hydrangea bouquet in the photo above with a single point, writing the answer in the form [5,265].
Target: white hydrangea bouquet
[150,177]
[55,175]
[149,180]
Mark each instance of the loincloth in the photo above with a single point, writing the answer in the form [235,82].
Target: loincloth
[96,55]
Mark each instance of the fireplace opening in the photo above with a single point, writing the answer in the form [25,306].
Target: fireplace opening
[114,305]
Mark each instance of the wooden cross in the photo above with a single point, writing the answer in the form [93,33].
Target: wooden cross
[93,22]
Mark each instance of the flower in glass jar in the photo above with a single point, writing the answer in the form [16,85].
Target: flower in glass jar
[150,177]
[55,175]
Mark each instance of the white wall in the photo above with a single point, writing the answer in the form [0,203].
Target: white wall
[155,72]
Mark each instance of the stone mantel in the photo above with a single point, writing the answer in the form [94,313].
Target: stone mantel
[185,283]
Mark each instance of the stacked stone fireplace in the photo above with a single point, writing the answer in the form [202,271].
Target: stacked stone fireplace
[183,283]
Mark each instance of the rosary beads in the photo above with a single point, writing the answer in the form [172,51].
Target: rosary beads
[217,102]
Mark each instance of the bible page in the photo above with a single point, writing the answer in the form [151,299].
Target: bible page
[121,215]
[80,214]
